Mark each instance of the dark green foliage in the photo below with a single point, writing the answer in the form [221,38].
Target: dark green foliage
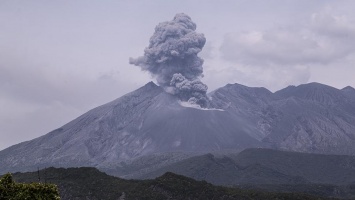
[336,191]
[11,190]
[90,183]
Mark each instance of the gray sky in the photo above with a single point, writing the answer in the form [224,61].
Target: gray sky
[59,59]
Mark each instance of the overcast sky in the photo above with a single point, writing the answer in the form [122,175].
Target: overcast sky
[59,59]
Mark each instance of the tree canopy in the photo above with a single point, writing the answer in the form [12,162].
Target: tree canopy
[9,189]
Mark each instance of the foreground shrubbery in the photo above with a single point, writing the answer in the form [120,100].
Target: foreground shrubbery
[9,189]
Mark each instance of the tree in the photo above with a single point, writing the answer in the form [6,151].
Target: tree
[10,190]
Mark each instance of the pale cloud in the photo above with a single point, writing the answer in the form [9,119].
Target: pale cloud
[271,77]
[334,26]
[292,53]
[267,48]
[324,40]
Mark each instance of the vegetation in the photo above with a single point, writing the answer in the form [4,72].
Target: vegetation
[11,190]
[90,183]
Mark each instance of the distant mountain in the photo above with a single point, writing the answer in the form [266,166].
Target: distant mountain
[91,184]
[313,92]
[150,122]
[264,167]
[308,118]
[349,91]
[314,118]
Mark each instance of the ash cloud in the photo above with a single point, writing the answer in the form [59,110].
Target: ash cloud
[171,58]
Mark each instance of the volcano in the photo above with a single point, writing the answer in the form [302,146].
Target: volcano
[308,118]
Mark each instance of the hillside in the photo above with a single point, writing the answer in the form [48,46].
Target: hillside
[263,167]
[90,184]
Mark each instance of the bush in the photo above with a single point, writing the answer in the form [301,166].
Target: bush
[21,191]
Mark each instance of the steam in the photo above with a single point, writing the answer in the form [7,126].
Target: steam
[171,58]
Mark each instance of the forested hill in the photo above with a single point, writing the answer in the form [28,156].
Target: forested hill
[90,183]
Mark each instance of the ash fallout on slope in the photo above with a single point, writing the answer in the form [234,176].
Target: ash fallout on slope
[171,58]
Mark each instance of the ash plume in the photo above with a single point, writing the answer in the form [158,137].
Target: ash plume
[171,58]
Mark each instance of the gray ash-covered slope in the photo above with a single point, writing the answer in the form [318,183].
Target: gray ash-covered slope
[308,118]
[143,122]
[318,118]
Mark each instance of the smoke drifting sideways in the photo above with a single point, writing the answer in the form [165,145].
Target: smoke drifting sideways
[171,58]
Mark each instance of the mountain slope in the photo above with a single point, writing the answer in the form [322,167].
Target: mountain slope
[143,122]
[308,118]
[83,141]
[349,91]
[225,171]
[265,167]
[315,118]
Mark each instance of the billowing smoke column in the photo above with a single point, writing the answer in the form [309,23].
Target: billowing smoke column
[171,58]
